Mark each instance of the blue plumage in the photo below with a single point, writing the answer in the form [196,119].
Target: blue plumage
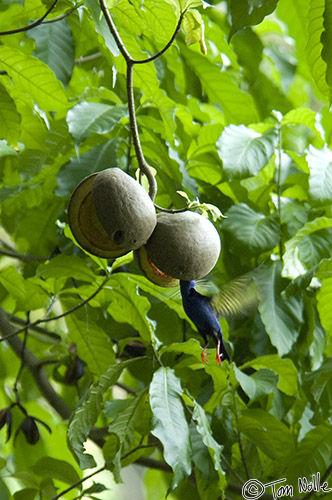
[198,308]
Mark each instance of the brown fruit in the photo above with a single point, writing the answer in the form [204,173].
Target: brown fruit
[85,225]
[124,208]
[183,246]
[110,213]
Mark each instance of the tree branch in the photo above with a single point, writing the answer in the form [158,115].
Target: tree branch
[34,366]
[59,316]
[32,25]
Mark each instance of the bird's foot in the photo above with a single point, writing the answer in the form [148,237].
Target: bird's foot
[205,355]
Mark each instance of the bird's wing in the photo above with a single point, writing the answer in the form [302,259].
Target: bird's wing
[236,298]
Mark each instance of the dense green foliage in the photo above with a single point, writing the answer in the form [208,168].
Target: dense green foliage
[236,116]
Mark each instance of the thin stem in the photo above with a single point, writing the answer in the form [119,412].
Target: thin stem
[239,435]
[59,316]
[279,169]
[78,483]
[64,15]
[167,46]
[115,32]
[32,25]
[22,257]
[144,167]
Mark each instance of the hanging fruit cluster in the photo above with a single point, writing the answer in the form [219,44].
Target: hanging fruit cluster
[111,214]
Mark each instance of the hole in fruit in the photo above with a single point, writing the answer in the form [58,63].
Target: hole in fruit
[118,237]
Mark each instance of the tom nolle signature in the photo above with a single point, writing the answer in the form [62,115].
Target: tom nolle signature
[254,489]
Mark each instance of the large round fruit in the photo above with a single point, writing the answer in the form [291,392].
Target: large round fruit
[124,208]
[110,213]
[183,246]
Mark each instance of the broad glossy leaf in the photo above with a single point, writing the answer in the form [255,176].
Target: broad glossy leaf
[10,118]
[123,302]
[320,178]
[303,116]
[56,469]
[313,453]
[33,77]
[28,294]
[324,295]
[245,152]
[237,106]
[258,384]
[94,346]
[160,19]
[314,47]
[169,424]
[326,40]
[282,318]
[253,230]
[214,448]
[293,265]
[100,25]
[285,368]
[96,159]
[55,47]
[249,12]
[86,414]
[88,117]
[67,266]
[6,150]
[268,433]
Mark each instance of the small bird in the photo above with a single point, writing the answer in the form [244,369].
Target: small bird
[235,298]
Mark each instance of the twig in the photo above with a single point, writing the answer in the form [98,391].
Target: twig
[38,329]
[22,257]
[239,436]
[59,316]
[130,62]
[32,25]
[64,15]
[34,366]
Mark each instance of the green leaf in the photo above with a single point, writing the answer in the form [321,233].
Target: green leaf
[285,368]
[33,77]
[324,295]
[10,118]
[293,265]
[28,294]
[93,344]
[320,178]
[194,28]
[88,117]
[101,27]
[67,266]
[303,116]
[54,468]
[86,414]
[282,318]
[121,299]
[124,427]
[238,106]
[169,424]
[26,494]
[253,230]
[313,453]
[55,47]
[326,39]
[266,432]
[214,448]
[6,150]
[314,47]
[98,158]
[258,384]
[245,152]
[249,12]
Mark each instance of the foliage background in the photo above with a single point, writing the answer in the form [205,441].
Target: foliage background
[245,127]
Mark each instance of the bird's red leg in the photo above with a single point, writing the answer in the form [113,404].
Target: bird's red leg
[218,358]
[205,355]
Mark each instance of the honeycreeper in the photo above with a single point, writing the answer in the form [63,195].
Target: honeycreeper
[235,298]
